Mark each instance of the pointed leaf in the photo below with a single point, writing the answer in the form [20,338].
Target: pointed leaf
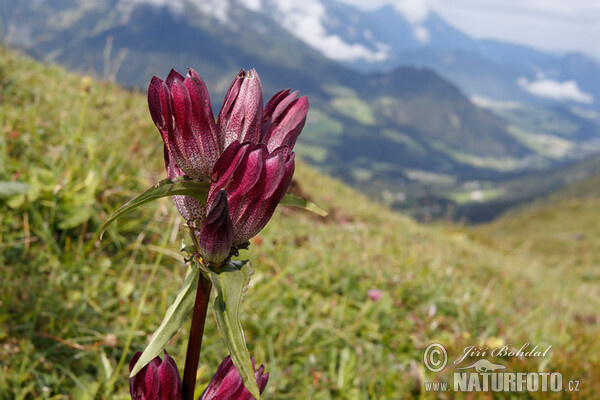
[296,201]
[231,283]
[164,188]
[179,311]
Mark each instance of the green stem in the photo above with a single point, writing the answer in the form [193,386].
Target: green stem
[195,338]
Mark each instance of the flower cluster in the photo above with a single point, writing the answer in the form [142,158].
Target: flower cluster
[159,380]
[227,383]
[247,153]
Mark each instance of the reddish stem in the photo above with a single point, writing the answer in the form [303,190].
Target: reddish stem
[195,339]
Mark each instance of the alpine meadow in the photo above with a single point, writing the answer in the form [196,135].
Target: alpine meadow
[74,309]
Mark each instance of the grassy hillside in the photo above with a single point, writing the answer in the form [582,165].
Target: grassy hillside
[560,228]
[72,307]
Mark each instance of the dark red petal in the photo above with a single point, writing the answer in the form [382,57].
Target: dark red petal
[276,108]
[216,235]
[250,217]
[227,162]
[203,123]
[165,105]
[245,178]
[253,108]
[186,139]
[154,106]
[225,383]
[182,108]
[244,122]
[255,219]
[189,208]
[274,101]
[170,137]
[148,383]
[225,167]
[170,381]
[287,127]
[172,77]
[275,174]
[170,360]
[262,378]
[133,390]
[134,360]
[280,110]
[253,168]
[230,98]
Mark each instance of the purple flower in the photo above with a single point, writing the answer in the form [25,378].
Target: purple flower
[255,181]
[247,153]
[374,294]
[216,235]
[227,383]
[283,119]
[189,208]
[159,380]
[181,110]
[241,116]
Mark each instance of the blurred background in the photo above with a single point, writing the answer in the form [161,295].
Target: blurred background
[455,144]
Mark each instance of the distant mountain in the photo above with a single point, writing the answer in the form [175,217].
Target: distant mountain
[132,40]
[403,132]
[386,38]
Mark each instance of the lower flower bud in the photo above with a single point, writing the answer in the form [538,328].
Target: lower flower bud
[216,235]
[227,383]
[159,380]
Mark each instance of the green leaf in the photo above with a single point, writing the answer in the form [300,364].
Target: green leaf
[164,188]
[179,311]
[8,189]
[295,201]
[231,283]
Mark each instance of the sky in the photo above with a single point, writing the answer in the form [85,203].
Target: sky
[552,25]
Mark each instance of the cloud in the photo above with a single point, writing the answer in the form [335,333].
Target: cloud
[305,21]
[415,11]
[216,8]
[254,5]
[421,34]
[554,25]
[548,88]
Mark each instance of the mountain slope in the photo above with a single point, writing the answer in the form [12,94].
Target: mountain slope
[426,125]
[69,301]
[561,229]
[406,136]
[386,38]
[483,201]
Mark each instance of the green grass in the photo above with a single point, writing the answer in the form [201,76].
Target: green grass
[69,303]
[560,228]
[538,120]
[546,145]
[355,108]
